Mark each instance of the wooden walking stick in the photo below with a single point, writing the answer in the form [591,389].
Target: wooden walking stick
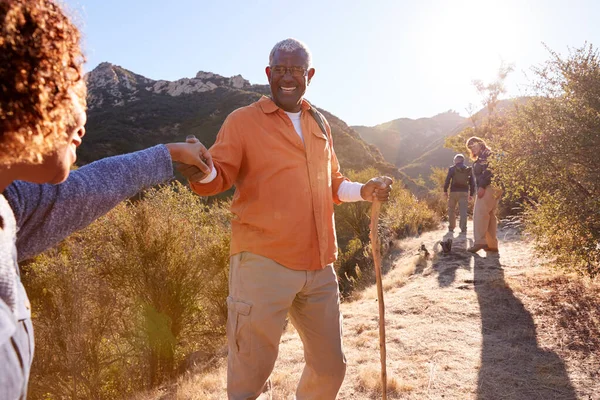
[376,248]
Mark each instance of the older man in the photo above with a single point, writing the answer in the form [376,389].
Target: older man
[278,153]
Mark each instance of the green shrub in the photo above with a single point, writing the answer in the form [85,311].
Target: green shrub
[546,158]
[402,216]
[120,304]
[549,160]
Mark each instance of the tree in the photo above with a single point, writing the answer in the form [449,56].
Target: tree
[488,122]
[549,159]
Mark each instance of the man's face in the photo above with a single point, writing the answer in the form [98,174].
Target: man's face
[288,77]
[458,160]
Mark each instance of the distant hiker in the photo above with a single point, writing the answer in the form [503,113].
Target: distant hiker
[278,152]
[42,118]
[461,183]
[484,213]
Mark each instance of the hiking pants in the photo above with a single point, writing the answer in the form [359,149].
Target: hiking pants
[261,294]
[462,199]
[484,218]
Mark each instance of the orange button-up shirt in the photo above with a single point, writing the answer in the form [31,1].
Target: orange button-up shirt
[285,190]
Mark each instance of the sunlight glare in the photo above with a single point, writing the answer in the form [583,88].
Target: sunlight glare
[469,40]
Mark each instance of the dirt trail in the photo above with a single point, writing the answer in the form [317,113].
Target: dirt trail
[458,327]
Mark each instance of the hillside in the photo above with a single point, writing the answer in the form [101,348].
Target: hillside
[129,112]
[415,146]
[459,326]
[403,140]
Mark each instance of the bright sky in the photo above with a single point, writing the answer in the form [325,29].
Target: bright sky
[376,60]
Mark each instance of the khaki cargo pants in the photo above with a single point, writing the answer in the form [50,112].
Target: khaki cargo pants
[485,223]
[462,199]
[261,294]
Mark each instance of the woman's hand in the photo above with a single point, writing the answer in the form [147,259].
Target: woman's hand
[194,160]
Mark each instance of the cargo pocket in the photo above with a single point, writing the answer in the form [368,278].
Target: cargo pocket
[238,322]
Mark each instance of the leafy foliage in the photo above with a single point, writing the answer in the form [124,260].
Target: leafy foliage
[436,199]
[550,162]
[546,156]
[402,216]
[120,304]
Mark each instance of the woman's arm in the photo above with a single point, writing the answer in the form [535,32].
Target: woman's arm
[46,214]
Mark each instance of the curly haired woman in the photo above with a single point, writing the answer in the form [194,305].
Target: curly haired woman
[486,202]
[42,118]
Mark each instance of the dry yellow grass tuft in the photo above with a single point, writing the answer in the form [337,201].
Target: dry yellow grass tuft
[369,383]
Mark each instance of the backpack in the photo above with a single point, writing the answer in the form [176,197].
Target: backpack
[461,178]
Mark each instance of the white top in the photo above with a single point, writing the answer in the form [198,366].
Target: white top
[295,118]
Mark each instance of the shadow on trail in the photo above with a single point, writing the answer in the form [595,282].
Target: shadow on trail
[512,364]
[446,265]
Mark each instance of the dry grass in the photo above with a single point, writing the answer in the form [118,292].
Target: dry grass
[458,327]
[370,385]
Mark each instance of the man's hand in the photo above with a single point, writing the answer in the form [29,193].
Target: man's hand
[192,159]
[377,189]
[480,192]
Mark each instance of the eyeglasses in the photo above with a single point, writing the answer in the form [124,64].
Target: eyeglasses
[472,145]
[294,71]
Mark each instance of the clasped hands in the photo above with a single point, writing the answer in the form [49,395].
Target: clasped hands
[192,159]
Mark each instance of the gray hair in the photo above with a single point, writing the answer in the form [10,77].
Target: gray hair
[289,45]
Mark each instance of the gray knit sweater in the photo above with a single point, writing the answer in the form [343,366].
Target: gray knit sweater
[43,215]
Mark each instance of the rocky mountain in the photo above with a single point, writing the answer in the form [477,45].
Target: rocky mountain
[111,85]
[128,112]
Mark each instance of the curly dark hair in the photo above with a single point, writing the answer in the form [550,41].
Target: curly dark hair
[40,70]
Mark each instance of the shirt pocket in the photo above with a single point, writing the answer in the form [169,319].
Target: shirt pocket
[322,143]
[319,157]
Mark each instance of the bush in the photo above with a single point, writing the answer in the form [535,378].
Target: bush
[549,160]
[436,200]
[120,304]
[402,216]
[546,158]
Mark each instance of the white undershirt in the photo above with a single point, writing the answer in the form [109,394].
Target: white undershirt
[347,192]
[295,118]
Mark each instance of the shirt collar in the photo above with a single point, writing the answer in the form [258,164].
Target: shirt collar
[268,106]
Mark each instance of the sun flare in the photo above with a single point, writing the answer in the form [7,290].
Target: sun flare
[469,40]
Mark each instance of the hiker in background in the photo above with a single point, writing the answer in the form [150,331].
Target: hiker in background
[484,213]
[461,183]
[42,118]
[278,153]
